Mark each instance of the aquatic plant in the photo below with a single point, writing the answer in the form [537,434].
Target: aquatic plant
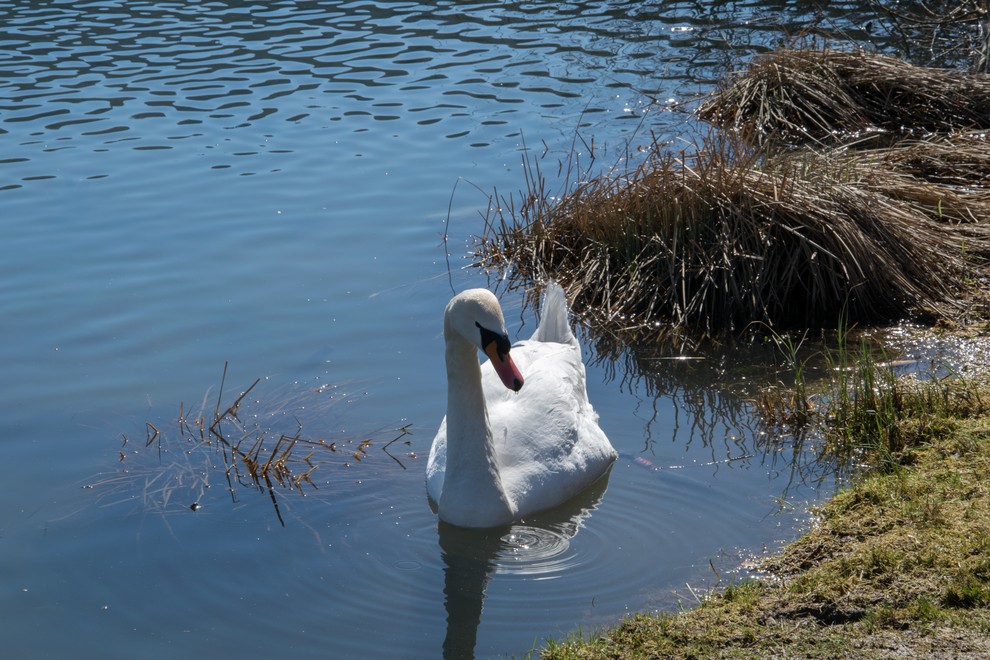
[953,33]
[881,213]
[242,441]
[852,403]
[730,235]
[800,94]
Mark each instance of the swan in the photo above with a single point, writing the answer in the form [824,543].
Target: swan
[504,451]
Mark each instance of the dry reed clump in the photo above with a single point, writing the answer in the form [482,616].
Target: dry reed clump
[728,237]
[801,94]
[743,231]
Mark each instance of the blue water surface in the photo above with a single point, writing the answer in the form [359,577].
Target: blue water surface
[267,186]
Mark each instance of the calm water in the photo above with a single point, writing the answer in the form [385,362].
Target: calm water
[184,185]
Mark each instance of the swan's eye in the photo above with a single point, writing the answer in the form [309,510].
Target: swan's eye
[502,343]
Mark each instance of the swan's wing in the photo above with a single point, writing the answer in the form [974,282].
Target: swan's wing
[554,325]
[546,436]
[437,464]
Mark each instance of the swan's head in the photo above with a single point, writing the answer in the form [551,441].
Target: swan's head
[476,316]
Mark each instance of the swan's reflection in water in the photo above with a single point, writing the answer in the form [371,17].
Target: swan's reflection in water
[539,546]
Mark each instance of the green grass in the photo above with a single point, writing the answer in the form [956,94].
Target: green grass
[845,400]
[899,563]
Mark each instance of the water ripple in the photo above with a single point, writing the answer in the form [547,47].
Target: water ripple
[533,551]
[85,71]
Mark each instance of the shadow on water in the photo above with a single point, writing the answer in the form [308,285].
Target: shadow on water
[769,397]
[707,394]
[539,546]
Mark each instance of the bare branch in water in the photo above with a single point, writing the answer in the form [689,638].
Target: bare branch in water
[250,453]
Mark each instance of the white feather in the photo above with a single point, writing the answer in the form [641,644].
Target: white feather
[539,447]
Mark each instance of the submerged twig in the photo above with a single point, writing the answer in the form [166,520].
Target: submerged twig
[249,457]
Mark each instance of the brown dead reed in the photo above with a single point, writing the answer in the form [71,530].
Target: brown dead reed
[241,441]
[797,95]
[729,235]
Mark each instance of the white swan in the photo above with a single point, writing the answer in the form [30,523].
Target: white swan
[505,452]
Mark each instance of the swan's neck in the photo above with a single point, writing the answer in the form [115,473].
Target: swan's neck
[472,488]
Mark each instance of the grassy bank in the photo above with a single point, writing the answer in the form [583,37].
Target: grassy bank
[898,566]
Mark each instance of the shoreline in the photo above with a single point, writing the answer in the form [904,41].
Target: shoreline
[898,566]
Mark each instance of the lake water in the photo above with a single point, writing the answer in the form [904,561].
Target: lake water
[266,185]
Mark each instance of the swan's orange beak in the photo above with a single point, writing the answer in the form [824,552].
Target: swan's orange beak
[504,367]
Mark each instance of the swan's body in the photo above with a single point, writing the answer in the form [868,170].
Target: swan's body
[504,451]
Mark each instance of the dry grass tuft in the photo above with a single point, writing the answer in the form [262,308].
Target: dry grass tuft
[730,235]
[804,94]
